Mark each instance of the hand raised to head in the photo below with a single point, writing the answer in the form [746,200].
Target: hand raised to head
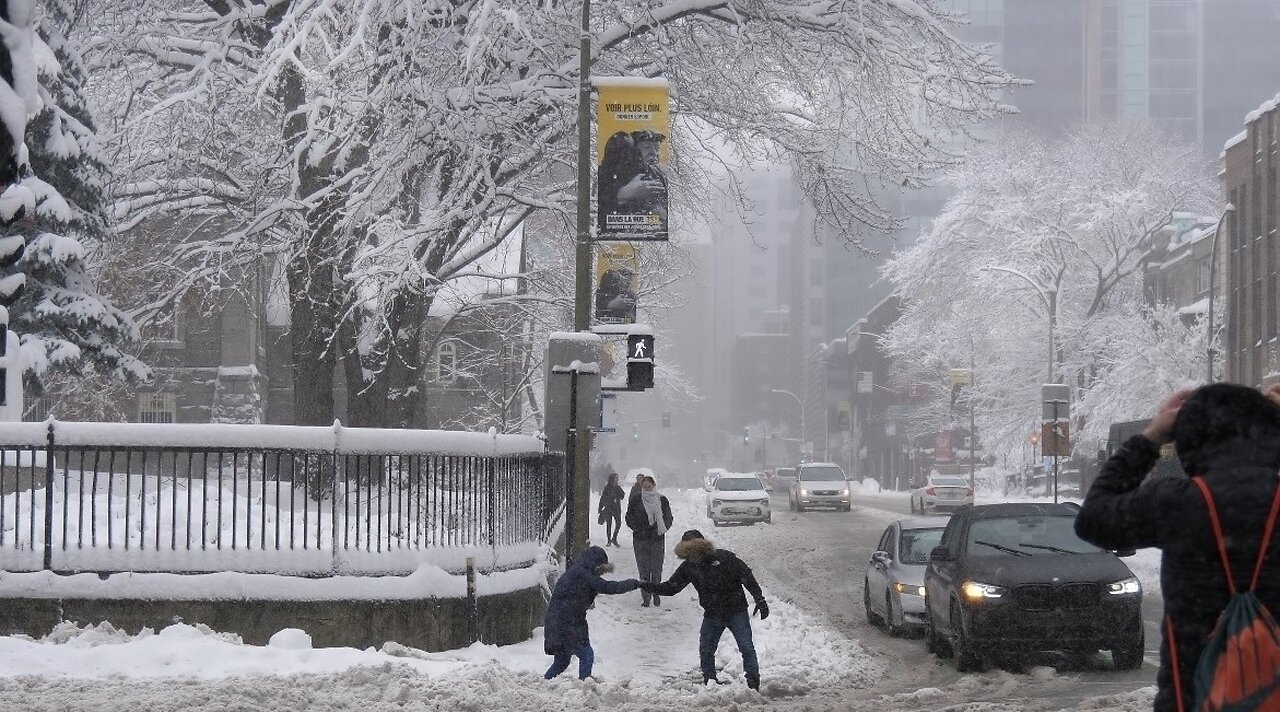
[1160,429]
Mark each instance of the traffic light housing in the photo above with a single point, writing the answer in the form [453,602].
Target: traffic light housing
[639,362]
[746,436]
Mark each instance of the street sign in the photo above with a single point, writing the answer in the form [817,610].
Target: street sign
[960,377]
[866,381]
[1055,439]
[1055,402]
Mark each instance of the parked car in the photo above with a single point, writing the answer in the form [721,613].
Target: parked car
[709,480]
[1015,577]
[820,484]
[941,492]
[893,585]
[738,498]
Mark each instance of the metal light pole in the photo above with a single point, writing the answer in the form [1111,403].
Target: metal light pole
[1213,273]
[1048,297]
[580,448]
[803,432]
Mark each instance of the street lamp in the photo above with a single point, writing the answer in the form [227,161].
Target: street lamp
[799,403]
[1048,297]
[1213,273]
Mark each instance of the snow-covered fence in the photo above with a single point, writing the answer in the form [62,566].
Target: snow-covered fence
[313,501]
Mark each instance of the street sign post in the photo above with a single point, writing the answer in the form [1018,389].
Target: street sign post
[1055,427]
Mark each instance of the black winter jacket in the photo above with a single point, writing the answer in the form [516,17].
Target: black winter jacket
[718,575]
[1123,511]
[638,520]
[611,500]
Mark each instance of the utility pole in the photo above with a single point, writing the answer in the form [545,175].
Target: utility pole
[580,453]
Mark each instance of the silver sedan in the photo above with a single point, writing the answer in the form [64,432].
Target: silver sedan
[893,588]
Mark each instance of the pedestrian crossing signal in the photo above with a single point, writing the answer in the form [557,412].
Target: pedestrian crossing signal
[639,362]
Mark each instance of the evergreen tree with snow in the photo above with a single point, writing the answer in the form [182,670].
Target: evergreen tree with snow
[64,323]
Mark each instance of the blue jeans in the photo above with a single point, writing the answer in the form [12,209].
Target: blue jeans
[586,658]
[712,628]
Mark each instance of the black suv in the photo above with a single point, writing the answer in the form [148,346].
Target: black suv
[1015,577]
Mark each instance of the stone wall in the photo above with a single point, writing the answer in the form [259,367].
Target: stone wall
[428,624]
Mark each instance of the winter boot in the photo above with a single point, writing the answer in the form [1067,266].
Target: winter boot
[753,682]
[710,680]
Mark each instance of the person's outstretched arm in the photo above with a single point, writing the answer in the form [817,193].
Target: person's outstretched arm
[679,579]
[603,585]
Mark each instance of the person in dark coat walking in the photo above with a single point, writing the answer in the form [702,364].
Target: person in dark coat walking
[611,509]
[719,577]
[565,631]
[1229,435]
[649,518]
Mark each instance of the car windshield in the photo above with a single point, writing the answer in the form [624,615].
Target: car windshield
[738,484]
[914,545]
[821,474]
[1036,535]
[948,481]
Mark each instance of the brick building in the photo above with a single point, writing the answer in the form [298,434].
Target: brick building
[1247,250]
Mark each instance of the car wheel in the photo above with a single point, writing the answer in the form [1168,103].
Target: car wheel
[933,642]
[967,659]
[894,629]
[769,519]
[872,618]
[1129,657]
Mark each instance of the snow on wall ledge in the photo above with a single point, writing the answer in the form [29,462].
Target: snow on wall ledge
[426,582]
[219,435]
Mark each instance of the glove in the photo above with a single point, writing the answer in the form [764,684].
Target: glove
[646,586]
[762,609]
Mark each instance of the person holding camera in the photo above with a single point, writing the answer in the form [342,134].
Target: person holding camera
[719,577]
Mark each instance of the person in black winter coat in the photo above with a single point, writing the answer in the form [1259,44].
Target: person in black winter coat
[565,631]
[611,509]
[1230,436]
[719,577]
[649,517]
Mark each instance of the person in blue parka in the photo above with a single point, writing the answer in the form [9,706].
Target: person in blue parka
[565,632]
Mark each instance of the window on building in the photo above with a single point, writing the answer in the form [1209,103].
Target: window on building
[446,362]
[1269,276]
[163,327]
[1203,270]
[1257,207]
[157,408]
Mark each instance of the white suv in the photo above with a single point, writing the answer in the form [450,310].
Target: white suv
[820,484]
[738,498]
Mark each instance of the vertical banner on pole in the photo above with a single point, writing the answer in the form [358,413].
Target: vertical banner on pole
[617,284]
[634,151]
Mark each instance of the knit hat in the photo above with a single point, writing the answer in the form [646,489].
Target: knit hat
[691,534]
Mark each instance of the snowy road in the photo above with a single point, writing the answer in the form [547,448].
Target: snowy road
[817,653]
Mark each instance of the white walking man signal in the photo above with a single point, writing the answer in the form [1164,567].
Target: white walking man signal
[640,346]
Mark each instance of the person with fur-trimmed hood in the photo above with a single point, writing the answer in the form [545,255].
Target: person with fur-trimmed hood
[565,631]
[719,577]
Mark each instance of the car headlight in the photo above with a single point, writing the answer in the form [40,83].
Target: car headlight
[909,589]
[1128,586]
[765,502]
[844,493]
[804,493]
[975,591]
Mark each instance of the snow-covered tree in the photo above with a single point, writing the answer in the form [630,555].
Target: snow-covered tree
[65,324]
[383,147]
[1032,272]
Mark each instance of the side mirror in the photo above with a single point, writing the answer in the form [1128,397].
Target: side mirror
[881,557]
[940,553]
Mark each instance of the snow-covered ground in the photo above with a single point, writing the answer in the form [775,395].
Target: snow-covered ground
[646,659]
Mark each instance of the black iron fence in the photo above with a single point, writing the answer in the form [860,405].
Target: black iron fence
[108,497]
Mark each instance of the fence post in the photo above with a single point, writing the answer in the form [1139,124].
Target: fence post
[48,500]
[333,497]
[473,606]
[491,476]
